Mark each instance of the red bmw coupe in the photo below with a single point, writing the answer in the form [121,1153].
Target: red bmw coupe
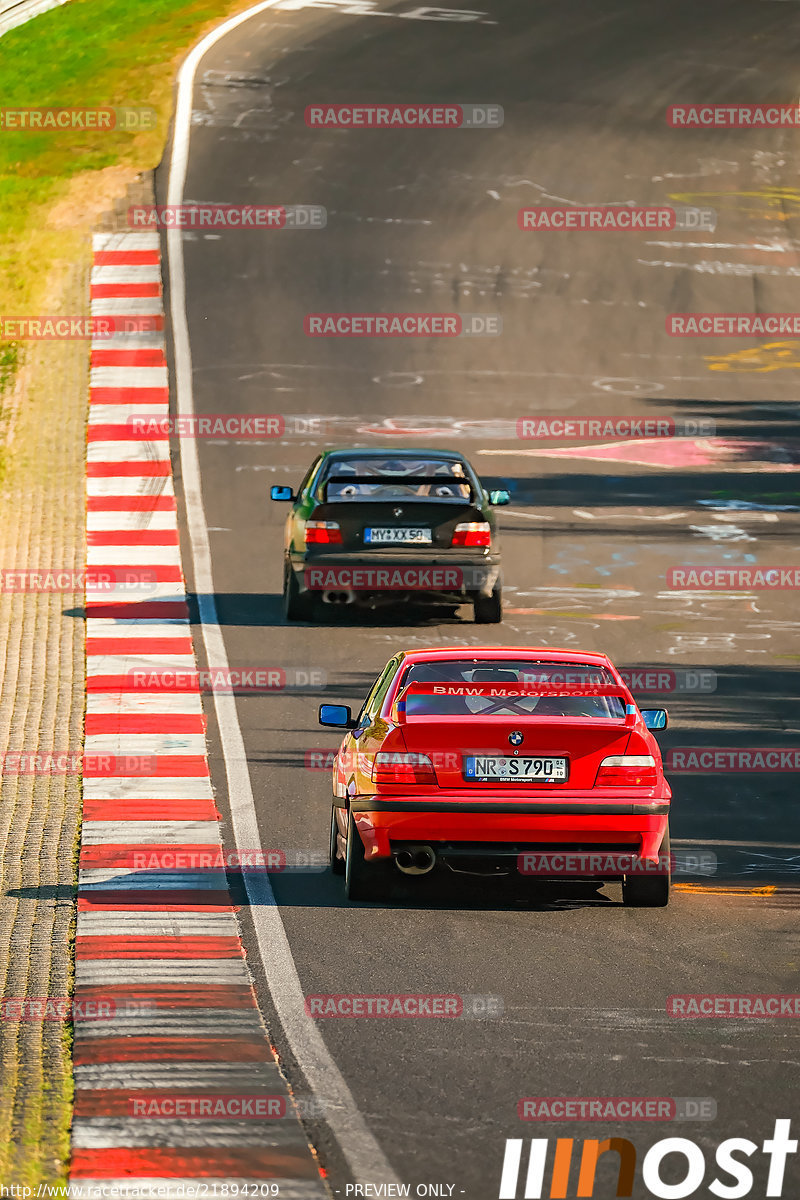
[527,760]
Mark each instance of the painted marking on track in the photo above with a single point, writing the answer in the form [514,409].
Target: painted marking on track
[700,889]
[669,453]
[772,356]
[361,1150]
[766,204]
[572,616]
[367,8]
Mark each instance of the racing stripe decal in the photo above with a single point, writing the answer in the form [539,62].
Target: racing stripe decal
[164,1008]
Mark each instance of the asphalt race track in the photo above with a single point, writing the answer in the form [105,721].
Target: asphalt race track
[426,221]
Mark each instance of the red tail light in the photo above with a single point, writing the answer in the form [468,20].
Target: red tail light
[627,770]
[323,533]
[472,533]
[390,767]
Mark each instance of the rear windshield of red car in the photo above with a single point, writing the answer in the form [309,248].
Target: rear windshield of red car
[487,689]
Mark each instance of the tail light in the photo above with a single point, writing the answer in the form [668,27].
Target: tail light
[627,770]
[323,533]
[472,533]
[390,767]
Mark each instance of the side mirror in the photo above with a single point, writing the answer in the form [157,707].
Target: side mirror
[336,716]
[655,718]
[281,493]
[501,496]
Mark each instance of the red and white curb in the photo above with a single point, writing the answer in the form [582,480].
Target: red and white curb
[158,951]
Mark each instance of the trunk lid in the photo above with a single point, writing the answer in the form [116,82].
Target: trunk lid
[435,518]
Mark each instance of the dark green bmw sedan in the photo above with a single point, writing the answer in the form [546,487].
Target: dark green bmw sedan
[370,527]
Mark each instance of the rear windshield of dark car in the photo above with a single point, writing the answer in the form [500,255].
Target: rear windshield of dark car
[566,690]
[379,479]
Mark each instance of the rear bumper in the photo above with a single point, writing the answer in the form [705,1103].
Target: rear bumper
[437,577]
[505,831]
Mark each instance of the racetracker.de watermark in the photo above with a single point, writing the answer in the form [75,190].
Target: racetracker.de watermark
[227,216]
[91,579]
[404,116]
[733,579]
[597,864]
[62,120]
[385,579]
[601,428]
[698,760]
[744,1005]
[617,1108]
[219,1106]
[467,1007]
[213,859]
[403,325]
[439,760]
[657,681]
[229,681]
[71,762]
[615,218]
[733,116]
[35,1009]
[733,324]
[226,426]
[71,329]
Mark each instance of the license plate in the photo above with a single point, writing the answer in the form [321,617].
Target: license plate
[415,537]
[487,769]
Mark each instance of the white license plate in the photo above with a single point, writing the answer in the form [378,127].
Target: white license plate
[485,769]
[415,537]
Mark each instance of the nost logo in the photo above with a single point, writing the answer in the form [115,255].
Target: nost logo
[514,1185]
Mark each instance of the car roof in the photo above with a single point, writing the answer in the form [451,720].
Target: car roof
[485,653]
[393,452]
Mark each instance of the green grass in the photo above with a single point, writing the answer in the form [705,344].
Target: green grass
[86,54]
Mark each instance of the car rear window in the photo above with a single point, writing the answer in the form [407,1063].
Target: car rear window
[511,688]
[396,479]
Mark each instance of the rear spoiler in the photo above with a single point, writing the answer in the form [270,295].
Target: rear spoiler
[412,480]
[499,690]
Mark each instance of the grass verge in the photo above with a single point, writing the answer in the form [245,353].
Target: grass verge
[54,184]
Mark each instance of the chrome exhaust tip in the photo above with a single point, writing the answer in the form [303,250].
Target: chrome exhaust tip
[415,860]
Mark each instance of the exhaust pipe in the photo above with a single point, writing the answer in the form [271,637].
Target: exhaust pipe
[415,860]
[338,597]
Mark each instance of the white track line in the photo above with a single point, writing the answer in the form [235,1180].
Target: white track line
[361,1150]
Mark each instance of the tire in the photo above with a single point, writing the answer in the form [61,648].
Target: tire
[363,880]
[295,606]
[337,864]
[649,891]
[489,609]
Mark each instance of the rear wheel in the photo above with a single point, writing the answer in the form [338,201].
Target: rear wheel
[295,606]
[650,890]
[363,880]
[489,609]
[337,864]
